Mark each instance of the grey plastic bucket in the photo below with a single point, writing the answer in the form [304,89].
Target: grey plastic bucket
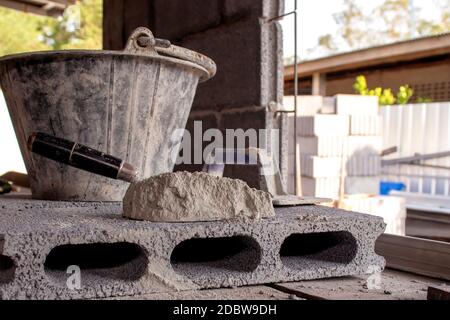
[125,103]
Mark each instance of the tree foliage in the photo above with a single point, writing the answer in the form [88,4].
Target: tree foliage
[391,21]
[352,21]
[385,96]
[80,27]
[19,32]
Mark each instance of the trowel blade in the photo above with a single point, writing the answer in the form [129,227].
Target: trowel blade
[291,200]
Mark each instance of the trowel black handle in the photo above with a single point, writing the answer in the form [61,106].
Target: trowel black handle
[81,157]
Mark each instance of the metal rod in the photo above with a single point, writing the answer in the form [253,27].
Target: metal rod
[297,172]
[416,158]
[281,17]
[429,166]
[297,179]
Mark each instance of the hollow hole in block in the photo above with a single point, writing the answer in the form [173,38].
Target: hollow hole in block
[7,269]
[96,261]
[316,250]
[199,256]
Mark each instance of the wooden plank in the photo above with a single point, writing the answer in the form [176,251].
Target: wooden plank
[427,224]
[65,2]
[40,7]
[243,293]
[391,285]
[439,293]
[62,4]
[20,6]
[420,256]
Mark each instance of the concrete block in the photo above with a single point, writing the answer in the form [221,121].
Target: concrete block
[182,17]
[306,105]
[317,167]
[324,125]
[364,146]
[246,79]
[241,118]
[362,185]
[120,257]
[291,184]
[321,187]
[291,164]
[391,209]
[329,187]
[347,104]
[248,118]
[329,105]
[258,8]
[362,165]
[281,122]
[310,105]
[365,125]
[323,146]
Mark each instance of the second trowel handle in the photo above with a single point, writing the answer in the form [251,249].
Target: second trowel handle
[81,157]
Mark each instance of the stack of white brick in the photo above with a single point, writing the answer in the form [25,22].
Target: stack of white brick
[391,209]
[340,145]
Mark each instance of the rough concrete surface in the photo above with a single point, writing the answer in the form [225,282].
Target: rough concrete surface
[121,257]
[198,196]
[244,293]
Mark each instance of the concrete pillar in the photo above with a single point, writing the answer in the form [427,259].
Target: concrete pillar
[235,34]
[319,84]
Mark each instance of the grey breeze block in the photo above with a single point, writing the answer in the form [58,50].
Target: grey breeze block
[120,257]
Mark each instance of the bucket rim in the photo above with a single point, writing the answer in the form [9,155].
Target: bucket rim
[205,75]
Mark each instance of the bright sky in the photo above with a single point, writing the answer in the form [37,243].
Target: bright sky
[10,157]
[315,18]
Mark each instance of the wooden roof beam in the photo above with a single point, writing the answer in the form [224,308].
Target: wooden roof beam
[391,53]
[40,7]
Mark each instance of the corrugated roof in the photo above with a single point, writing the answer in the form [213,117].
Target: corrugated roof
[51,8]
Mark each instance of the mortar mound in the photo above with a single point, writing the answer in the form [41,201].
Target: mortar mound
[198,196]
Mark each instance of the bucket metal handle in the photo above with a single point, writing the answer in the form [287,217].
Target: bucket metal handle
[142,41]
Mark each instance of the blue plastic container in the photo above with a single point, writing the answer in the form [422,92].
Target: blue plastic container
[387,186]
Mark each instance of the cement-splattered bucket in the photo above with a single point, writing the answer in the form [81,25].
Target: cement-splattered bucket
[125,103]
